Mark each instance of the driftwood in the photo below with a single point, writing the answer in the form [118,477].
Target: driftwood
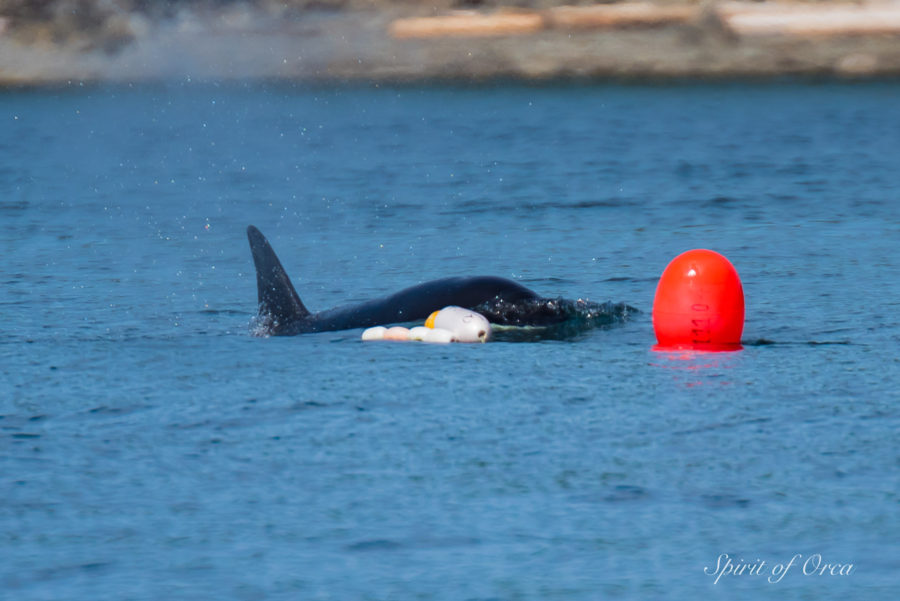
[742,18]
[771,18]
[468,23]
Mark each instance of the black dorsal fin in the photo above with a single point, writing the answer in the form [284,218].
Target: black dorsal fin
[277,298]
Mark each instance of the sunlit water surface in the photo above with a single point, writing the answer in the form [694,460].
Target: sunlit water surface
[150,448]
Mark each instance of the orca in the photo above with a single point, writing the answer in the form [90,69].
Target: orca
[503,302]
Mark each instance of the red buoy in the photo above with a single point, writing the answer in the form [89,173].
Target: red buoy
[699,303]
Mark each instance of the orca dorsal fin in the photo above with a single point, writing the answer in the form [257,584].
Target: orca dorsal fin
[278,301]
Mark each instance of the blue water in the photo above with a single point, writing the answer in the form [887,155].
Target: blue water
[151,448]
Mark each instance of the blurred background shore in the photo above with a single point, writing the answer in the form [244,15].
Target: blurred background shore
[60,41]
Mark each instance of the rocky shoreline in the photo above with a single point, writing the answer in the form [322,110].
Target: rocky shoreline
[59,41]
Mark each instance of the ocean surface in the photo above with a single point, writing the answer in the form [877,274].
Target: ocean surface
[152,448]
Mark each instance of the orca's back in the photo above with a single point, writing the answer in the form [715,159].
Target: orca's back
[419,301]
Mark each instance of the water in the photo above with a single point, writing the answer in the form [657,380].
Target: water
[151,448]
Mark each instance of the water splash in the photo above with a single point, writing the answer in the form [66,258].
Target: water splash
[558,318]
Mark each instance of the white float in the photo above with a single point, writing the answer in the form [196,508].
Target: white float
[450,324]
[466,325]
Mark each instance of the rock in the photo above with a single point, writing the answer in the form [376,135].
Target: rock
[857,65]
